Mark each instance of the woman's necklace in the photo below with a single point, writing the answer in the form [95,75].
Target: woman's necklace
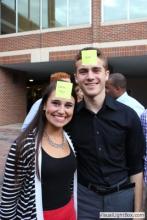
[53,144]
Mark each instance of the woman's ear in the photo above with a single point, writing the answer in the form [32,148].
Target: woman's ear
[44,107]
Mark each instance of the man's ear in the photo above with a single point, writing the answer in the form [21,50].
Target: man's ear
[118,88]
[76,80]
[107,74]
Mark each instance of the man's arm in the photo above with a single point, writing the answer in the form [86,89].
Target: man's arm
[138,191]
[143,119]
[135,154]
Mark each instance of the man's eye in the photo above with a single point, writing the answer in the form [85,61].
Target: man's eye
[95,70]
[83,71]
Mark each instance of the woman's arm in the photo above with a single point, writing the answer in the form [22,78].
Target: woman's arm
[11,187]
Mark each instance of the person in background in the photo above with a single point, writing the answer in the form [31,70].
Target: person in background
[109,142]
[54,77]
[116,86]
[79,93]
[143,119]
[41,164]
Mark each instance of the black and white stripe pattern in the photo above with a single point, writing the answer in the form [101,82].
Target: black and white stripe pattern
[18,200]
[21,201]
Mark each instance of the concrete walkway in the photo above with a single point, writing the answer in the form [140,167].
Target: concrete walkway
[8,134]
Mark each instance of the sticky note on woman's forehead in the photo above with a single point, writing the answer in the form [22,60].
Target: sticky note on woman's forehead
[89,57]
[63,89]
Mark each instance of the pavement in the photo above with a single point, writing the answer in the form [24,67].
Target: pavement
[8,134]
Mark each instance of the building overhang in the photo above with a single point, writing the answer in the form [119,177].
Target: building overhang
[131,66]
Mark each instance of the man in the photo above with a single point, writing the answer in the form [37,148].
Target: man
[116,86]
[55,76]
[143,119]
[109,142]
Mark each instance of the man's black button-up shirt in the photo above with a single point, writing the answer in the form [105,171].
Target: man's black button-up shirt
[110,144]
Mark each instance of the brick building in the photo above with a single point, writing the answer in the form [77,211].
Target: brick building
[39,37]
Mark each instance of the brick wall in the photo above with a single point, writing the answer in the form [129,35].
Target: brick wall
[97,33]
[117,32]
[15,59]
[49,39]
[126,51]
[12,94]
[12,97]
[109,52]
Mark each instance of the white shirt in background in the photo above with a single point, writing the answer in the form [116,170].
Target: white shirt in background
[31,114]
[132,103]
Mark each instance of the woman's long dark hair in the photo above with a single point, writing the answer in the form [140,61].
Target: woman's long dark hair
[36,127]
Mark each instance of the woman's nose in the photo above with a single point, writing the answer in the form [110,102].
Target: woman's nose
[61,109]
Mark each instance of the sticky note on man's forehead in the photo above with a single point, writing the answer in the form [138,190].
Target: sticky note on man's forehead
[63,89]
[89,57]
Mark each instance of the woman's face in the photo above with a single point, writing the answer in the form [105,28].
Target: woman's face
[79,93]
[59,111]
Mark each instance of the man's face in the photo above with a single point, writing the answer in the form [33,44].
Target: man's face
[111,90]
[91,78]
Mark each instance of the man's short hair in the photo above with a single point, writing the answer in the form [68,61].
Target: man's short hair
[99,55]
[118,80]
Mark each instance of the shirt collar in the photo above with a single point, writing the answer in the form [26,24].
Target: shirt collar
[124,96]
[81,105]
[111,103]
[108,102]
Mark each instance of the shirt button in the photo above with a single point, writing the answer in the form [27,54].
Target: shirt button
[97,132]
[99,148]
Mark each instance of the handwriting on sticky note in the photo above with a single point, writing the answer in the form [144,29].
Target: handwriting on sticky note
[63,89]
[89,57]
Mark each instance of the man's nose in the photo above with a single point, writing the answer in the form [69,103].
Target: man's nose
[90,74]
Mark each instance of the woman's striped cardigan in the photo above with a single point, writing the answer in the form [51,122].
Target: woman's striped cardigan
[24,200]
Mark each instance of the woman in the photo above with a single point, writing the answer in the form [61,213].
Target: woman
[79,93]
[41,164]
[32,112]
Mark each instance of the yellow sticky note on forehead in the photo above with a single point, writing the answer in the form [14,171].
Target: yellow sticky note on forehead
[89,57]
[63,89]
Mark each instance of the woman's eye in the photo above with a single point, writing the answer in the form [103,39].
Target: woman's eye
[55,103]
[69,105]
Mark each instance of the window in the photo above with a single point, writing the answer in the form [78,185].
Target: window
[114,10]
[28,15]
[64,13]
[54,13]
[138,9]
[79,12]
[10,4]
[8,16]
[121,10]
